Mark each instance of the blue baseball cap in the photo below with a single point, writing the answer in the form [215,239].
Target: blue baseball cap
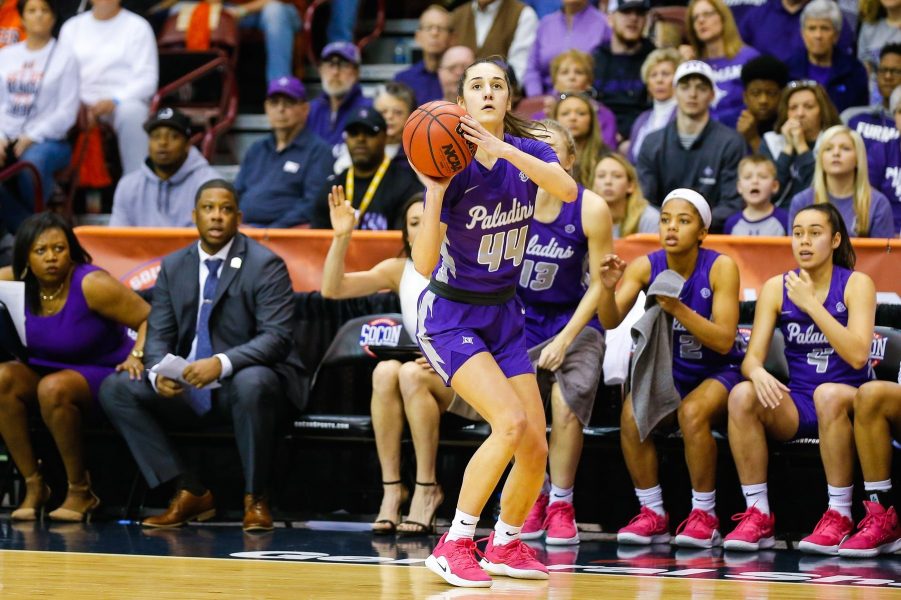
[287,86]
[345,50]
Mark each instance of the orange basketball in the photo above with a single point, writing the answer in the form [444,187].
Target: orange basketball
[433,139]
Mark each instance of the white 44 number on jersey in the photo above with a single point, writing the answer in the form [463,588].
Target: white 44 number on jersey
[503,245]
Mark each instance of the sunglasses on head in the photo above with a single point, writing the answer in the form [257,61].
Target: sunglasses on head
[589,94]
[802,83]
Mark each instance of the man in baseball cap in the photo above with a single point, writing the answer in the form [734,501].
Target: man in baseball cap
[341,92]
[280,174]
[694,151]
[161,193]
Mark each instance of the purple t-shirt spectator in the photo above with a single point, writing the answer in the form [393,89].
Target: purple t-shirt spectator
[846,82]
[589,30]
[776,223]
[885,175]
[771,29]
[321,122]
[487,213]
[881,222]
[423,83]
[874,124]
[727,72]
[606,121]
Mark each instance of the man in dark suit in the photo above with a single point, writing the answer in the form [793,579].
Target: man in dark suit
[226,305]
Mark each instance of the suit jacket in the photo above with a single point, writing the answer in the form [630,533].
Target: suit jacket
[252,315]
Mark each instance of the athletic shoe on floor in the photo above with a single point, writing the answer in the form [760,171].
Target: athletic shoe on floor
[560,525]
[828,535]
[699,530]
[878,533]
[515,559]
[455,562]
[647,527]
[533,528]
[754,531]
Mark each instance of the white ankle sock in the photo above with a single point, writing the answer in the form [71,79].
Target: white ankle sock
[463,526]
[561,495]
[504,534]
[840,499]
[652,498]
[756,496]
[705,501]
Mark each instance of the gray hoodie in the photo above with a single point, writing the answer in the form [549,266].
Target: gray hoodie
[142,199]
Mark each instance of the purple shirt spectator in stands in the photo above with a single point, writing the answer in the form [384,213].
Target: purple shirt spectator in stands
[840,73]
[578,113]
[578,25]
[657,73]
[876,123]
[281,174]
[763,79]
[841,178]
[453,63]
[342,94]
[878,29]
[714,39]
[433,36]
[774,27]
[884,164]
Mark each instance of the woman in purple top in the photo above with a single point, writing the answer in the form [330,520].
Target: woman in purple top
[75,315]
[657,73]
[841,178]
[576,26]
[825,311]
[714,38]
[576,113]
[884,165]
[472,242]
[706,358]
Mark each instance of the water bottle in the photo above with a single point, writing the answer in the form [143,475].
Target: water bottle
[400,53]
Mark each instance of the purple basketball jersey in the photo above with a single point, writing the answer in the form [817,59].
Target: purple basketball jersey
[487,213]
[811,358]
[692,360]
[554,273]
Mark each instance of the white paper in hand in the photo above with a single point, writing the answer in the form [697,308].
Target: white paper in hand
[12,294]
[171,367]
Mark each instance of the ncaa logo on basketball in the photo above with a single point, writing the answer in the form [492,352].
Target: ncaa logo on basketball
[451,155]
[877,349]
[380,332]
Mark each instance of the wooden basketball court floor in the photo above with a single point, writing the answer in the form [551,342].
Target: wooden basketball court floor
[327,561]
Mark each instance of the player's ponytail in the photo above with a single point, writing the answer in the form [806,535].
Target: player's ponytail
[843,255]
[513,125]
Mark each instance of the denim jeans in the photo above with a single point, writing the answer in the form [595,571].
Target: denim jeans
[48,157]
[279,22]
[343,21]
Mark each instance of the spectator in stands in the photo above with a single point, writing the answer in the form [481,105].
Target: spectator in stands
[616,181]
[395,102]
[544,7]
[825,311]
[571,72]
[841,178]
[879,28]
[884,164]
[617,65]
[497,27]
[714,39]
[75,330]
[281,174]
[804,113]
[433,36]
[376,186]
[12,30]
[239,338]
[115,85]
[757,185]
[657,73]
[161,193]
[876,123]
[763,79]
[453,63]
[774,27]
[842,75]
[576,26]
[693,151]
[341,92]
[578,113]
[35,117]
[388,399]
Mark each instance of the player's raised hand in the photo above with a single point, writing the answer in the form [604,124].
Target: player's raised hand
[432,183]
[612,269]
[474,132]
[340,212]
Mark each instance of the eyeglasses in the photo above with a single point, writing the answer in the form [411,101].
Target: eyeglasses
[435,29]
[706,14]
[802,84]
[337,64]
[888,72]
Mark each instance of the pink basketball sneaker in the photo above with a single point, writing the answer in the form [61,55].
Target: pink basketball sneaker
[515,559]
[533,528]
[754,531]
[699,530]
[560,524]
[828,535]
[455,562]
[647,527]
[878,533]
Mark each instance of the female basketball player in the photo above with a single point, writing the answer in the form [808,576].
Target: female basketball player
[825,311]
[472,240]
[564,337]
[705,364]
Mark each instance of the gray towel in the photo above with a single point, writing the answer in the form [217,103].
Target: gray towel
[654,394]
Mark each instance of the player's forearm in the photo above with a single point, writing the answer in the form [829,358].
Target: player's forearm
[548,176]
[333,271]
[426,247]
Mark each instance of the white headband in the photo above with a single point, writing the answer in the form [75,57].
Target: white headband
[693,198]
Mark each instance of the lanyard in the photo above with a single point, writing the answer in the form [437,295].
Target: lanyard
[370,191]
